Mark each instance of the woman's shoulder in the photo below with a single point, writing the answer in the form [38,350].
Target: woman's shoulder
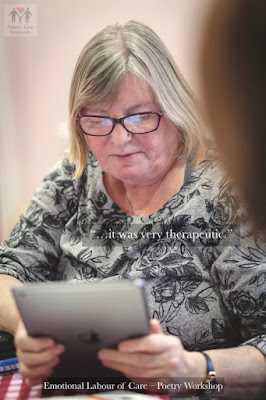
[61,170]
[218,195]
[62,173]
[211,175]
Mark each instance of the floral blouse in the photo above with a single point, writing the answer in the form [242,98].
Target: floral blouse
[205,268]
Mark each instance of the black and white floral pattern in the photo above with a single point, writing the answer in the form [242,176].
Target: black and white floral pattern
[205,268]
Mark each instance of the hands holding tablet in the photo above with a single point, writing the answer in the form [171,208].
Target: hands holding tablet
[37,356]
[151,356]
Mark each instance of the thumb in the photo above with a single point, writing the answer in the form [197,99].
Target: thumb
[155,326]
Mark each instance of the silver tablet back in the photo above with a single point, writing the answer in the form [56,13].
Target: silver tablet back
[85,318]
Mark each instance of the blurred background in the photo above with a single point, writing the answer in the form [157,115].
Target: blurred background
[35,74]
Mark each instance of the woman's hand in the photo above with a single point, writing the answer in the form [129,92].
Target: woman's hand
[37,356]
[153,356]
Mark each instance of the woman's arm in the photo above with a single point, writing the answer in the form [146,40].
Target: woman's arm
[9,316]
[240,366]
[32,251]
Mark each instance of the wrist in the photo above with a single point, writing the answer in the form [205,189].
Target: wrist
[196,365]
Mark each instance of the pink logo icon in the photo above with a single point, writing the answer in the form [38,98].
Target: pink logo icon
[20,9]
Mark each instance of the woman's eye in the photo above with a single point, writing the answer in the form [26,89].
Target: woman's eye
[92,122]
[98,122]
[145,117]
[139,118]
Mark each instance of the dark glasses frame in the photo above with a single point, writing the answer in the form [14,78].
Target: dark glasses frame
[120,121]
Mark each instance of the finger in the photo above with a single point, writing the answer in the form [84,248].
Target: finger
[114,365]
[135,360]
[28,343]
[38,372]
[132,372]
[31,344]
[142,365]
[33,359]
[128,370]
[155,326]
[37,381]
[153,343]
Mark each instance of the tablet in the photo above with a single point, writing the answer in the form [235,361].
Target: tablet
[84,317]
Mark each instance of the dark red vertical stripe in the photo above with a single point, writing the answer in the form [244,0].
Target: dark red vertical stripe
[4,384]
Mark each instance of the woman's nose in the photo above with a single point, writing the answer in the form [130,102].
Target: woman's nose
[119,136]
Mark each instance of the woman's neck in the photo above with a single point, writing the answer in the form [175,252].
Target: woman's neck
[144,200]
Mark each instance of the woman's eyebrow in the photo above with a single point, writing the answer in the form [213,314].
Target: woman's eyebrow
[128,111]
[95,111]
[138,105]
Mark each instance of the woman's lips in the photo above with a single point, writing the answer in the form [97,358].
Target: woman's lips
[126,157]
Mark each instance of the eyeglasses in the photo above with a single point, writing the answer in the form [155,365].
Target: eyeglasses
[140,123]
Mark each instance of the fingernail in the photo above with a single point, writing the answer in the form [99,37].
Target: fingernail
[60,348]
[49,343]
[56,361]
[122,346]
[101,354]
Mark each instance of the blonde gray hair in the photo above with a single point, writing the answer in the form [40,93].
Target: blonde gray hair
[103,64]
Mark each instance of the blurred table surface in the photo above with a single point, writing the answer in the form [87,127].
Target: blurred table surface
[12,387]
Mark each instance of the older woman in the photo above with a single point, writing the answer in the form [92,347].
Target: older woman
[143,203]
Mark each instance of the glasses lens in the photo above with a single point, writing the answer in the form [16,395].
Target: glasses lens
[141,123]
[96,125]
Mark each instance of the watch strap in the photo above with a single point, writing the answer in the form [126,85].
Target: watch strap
[211,374]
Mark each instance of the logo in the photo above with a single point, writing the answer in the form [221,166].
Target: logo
[90,337]
[20,20]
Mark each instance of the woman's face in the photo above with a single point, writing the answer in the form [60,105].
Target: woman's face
[138,159]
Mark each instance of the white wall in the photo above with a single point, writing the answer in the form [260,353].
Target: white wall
[35,76]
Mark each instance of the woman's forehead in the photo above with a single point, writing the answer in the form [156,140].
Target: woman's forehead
[133,94]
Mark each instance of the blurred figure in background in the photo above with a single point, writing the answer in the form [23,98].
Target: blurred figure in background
[233,66]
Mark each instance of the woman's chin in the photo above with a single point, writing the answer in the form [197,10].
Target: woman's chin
[129,175]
